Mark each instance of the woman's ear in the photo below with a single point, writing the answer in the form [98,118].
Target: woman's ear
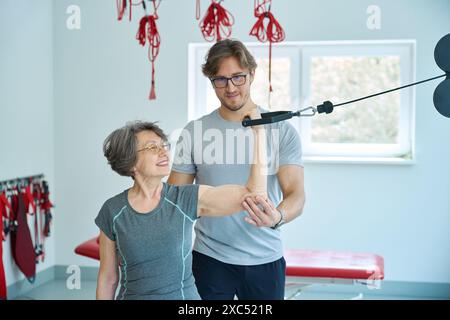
[133,172]
[252,76]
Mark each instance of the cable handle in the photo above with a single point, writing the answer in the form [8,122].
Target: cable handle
[269,117]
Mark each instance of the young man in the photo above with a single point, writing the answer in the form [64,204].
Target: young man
[241,254]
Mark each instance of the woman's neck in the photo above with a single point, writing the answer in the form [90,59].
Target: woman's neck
[146,188]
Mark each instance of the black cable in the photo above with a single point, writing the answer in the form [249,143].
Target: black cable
[377,94]
[326,107]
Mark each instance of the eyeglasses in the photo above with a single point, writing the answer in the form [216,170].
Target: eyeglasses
[155,148]
[222,82]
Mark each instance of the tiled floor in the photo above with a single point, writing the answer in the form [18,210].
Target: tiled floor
[57,290]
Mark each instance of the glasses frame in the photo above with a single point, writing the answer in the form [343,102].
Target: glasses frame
[229,79]
[166,146]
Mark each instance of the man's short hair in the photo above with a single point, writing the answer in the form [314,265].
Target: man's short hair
[224,49]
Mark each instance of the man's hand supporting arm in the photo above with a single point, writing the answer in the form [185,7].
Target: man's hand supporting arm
[291,179]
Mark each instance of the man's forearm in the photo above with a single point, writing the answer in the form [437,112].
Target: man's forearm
[292,205]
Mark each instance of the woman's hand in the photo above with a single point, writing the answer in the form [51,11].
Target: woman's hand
[262,212]
[253,114]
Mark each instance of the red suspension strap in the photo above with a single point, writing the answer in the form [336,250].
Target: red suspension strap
[122,6]
[197,9]
[5,214]
[45,206]
[28,199]
[149,32]
[38,226]
[6,211]
[3,290]
[273,32]
[217,22]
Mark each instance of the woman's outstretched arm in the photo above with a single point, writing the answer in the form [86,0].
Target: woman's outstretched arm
[228,199]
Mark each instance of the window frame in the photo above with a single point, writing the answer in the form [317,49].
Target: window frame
[301,54]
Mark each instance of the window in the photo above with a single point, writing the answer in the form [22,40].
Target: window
[309,73]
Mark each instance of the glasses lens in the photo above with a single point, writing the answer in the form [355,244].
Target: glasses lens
[153,148]
[238,80]
[220,82]
[166,146]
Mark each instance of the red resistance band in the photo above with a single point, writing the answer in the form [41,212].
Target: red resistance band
[30,200]
[39,236]
[45,207]
[216,23]
[273,32]
[4,225]
[149,32]
[3,293]
[5,206]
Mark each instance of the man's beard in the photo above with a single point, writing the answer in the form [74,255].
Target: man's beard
[233,107]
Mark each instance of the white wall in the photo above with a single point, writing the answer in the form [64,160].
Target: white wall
[26,104]
[101,80]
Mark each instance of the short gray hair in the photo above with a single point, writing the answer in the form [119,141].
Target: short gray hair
[120,147]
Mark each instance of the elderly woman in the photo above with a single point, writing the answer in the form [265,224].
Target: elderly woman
[147,229]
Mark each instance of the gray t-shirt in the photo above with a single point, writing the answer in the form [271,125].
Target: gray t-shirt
[220,152]
[154,249]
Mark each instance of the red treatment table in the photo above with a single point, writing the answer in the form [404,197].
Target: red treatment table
[307,267]
[90,249]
